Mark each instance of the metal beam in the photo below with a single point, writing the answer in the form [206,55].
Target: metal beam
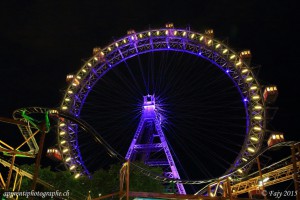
[276,176]
[25,173]
[295,171]
[157,163]
[137,147]
[177,196]
[13,121]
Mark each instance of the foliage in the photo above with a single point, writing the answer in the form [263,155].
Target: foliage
[140,182]
[102,182]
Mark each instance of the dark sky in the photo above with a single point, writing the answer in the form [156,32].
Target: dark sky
[42,41]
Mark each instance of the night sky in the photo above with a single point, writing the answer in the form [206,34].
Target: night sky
[43,41]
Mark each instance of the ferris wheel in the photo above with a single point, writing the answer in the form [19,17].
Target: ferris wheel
[209,101]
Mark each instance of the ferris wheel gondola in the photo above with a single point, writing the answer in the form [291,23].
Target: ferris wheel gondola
[234,65]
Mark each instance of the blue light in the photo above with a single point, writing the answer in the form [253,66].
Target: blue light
[245,99]
[227,71]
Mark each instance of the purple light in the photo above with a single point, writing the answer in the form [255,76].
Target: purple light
[149,114]
[85,93]
[149,103]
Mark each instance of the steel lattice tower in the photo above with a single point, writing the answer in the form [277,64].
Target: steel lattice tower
[150,145]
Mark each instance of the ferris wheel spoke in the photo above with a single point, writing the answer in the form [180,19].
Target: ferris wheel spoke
[203,99]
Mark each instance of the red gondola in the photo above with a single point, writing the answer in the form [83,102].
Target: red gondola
[275,138]
[270,94]
[54,154]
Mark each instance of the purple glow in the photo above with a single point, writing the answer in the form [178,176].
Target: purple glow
[84,93]
[149,100]
[150,115]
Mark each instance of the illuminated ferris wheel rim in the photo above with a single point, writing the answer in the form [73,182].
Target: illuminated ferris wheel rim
[168,39]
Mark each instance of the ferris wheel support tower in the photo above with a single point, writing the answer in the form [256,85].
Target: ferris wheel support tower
[149,140]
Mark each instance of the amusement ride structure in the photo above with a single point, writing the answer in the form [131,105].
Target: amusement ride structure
[150,143]
[203,46]
[143,143]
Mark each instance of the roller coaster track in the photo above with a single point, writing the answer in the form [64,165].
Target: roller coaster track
[97,137]
[26,174]
[22,173]
[276,176]
[245,184]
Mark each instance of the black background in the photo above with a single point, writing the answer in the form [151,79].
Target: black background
[42,41]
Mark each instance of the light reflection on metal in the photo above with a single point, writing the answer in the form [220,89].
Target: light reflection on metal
[150,123]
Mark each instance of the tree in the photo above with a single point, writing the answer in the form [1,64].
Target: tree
[140,182]
[107,181]
[62,181]
[102,182]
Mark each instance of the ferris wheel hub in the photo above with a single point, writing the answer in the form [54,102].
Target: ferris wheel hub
[149,102]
